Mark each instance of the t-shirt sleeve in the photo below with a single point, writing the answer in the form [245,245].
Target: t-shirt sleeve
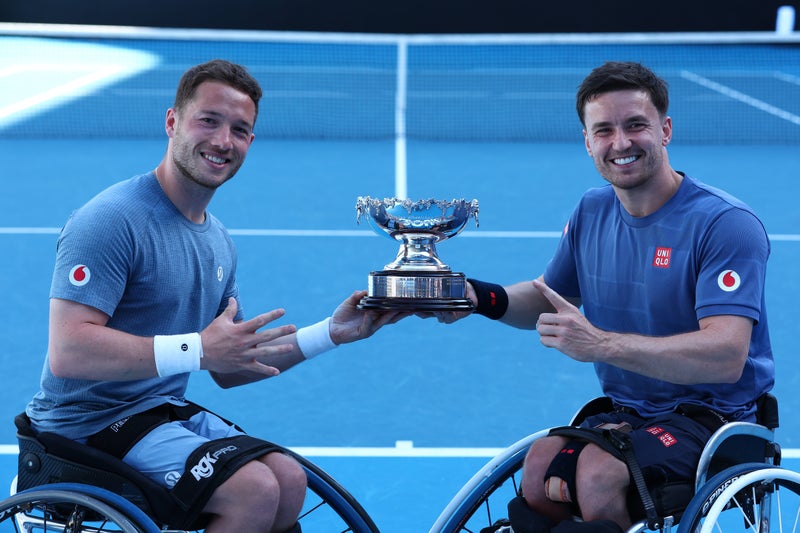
[733,263]
[561,273]
[93,259]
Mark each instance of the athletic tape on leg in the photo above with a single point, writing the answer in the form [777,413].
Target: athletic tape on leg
[559,480]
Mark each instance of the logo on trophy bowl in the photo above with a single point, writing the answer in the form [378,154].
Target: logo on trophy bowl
[417,280]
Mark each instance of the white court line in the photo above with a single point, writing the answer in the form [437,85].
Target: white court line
[30,231]
[742,97]
[401,449]
[301,233]
[10,230]
[59,91]
[788,78]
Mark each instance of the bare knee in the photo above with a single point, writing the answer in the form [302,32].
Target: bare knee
[290,474]
[251,495]
[602,482]
[292,480]
[537,461]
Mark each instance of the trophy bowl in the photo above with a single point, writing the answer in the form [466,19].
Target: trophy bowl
[417,280]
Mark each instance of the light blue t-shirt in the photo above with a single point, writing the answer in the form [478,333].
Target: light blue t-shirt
[131,254]
[703,253]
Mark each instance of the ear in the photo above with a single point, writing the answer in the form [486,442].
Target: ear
[666,131]
[169,122]
[586,143]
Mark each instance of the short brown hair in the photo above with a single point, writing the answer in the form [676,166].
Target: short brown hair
[620,76]
[220,70]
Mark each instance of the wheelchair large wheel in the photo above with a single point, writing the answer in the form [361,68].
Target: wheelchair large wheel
[329,506]
[748,497]
[72,508]
[76,507]
[484,499]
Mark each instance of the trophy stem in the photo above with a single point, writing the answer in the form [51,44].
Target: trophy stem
[417,252]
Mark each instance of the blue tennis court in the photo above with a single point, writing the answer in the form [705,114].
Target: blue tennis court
[402,419]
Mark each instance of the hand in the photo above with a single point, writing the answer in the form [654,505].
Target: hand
[349,323]
[567,330]
[448,317]
[230,347]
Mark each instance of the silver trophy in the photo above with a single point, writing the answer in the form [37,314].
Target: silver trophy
[417,280]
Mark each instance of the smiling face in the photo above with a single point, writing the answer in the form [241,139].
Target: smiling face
[211,134]
[627,137]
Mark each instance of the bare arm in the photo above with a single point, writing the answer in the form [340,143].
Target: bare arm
[716,353]
[348,324]
[82,346]
[526,303]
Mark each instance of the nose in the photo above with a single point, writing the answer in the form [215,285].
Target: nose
[223,138]
[621,140]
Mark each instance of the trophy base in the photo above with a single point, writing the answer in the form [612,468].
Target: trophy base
[417,291]
[411,304]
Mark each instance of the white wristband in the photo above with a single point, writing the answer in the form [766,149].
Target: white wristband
[177,354]
[315,339]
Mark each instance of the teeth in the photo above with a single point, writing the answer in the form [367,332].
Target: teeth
[625,160]
[217,160]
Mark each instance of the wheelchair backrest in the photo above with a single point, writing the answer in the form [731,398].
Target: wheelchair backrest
[50,458]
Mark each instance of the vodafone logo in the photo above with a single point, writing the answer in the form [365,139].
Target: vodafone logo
[729,280]
[79,275]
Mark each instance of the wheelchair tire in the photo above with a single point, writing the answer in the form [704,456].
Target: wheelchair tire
[751,496]
[334,508]
[329,507]
[73,508]
[474,507]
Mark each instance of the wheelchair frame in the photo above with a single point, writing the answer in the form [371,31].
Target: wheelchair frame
[740,457]
[76,497]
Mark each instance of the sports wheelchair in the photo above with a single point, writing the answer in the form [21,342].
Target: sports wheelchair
[738,484]
[66,486]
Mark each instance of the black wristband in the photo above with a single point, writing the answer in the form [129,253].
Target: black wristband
[492,299]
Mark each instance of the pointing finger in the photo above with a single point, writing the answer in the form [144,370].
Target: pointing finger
[552,296]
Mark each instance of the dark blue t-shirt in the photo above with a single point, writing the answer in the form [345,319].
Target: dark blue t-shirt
[703,253]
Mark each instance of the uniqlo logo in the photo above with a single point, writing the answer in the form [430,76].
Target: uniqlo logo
[667,439]
[655,430]
[661,258]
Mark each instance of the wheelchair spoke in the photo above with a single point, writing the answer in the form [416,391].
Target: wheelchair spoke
[749,498]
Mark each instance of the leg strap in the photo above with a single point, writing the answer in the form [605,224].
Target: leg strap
[618,443]
[559,480]
[210,465]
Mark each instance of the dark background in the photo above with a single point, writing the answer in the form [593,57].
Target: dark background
[409,16]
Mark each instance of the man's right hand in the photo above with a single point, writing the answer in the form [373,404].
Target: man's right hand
[230,347]
[448,317]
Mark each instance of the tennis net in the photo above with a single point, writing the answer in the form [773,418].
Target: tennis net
[74,81]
